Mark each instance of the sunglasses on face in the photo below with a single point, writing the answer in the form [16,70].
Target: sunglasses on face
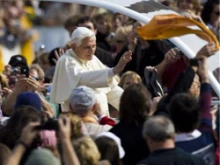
[37,79]
[217,13]
[119,41]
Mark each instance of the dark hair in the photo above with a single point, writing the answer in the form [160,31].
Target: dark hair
[71,21]
[84,19]
[162,107]
[19,119]
[208,9]
[4,153]
[135,104]
[108,149]
[184,112]
[52,55]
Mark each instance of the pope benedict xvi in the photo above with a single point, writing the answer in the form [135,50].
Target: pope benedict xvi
[79,66]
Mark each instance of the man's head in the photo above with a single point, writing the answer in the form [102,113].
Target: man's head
[87,22]
[83,43]
[184,112]
[82,101]
[158,130]
[71,24]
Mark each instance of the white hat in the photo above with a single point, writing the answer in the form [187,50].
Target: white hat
[116,139]
[81,33]
[83,95]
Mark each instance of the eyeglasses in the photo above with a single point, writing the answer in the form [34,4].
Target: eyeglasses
[37,79]
[119,41]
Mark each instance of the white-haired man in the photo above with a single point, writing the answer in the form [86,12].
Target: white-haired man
[159,133]
[79,66]
[83,102]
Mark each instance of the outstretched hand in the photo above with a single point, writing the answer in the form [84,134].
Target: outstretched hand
[172,55]
[207,50]
[125,58]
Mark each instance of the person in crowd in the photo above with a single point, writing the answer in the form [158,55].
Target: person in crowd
[12,130]
[195,136]
[79,66]
[41,155]
[159,133]
[175,62]
[83,102]
[120,41]
[132,114]
[25,85]
[129,78]
[110,147]
[4,153]
[117,21]
[211,13]
[78,129]
[189,7]
[86,151]
[145,53]
[103,31]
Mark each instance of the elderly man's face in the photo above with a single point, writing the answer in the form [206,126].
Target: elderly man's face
[86,49]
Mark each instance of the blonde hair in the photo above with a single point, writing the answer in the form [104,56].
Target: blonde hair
[3,80]
[39,70]
[76,125]
[130,74]
[86,151]
[196,6]
[123,32]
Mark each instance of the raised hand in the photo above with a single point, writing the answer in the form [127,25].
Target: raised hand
[125,58]
[29,133]
[172,55]
[64,128]
[58,55]
[207,50]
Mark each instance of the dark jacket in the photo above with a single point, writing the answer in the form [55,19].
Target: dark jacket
[134,145]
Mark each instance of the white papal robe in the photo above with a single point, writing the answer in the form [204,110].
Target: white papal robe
[71,71]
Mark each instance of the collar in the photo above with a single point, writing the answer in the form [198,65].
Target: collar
[72,53]
[188,136]
[88,119]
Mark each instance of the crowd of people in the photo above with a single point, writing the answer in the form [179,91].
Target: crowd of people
[105,97]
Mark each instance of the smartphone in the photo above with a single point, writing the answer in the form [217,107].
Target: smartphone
[25,71]
[49,125]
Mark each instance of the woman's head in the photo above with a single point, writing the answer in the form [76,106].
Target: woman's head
[120,39]
[211,12]
[129,78]
[108,149]
[195,87]
[19,119]
[189,6]
[76,125]
[135,104]
[109,146]
[37,72]
[86,151]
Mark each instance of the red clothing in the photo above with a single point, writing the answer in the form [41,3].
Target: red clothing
[170,74]
[106,120]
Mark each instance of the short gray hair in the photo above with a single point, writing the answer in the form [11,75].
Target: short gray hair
[158,128]
[81,33]
[82,99]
